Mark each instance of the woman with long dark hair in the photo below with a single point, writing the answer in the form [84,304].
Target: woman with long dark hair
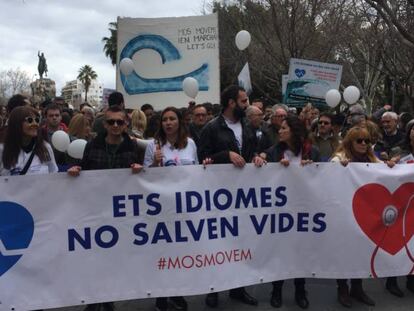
[24,151]
[171,146]
[293,147]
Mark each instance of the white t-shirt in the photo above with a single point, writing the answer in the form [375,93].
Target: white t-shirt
[36,167]
[236,127]
[289,155]
[172,156]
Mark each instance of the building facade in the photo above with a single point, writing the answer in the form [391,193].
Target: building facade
[74,93]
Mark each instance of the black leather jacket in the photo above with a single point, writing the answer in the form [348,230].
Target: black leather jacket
[217,140]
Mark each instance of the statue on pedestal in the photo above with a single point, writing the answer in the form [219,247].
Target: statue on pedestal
[42,66]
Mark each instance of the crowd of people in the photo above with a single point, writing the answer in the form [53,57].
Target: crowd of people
[234,131]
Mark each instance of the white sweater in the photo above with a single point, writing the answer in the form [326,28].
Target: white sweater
[172,156]
[36,167]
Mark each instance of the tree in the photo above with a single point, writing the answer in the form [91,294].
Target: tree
[398,14]
[86,75]
[110,47]
[13,81]
[397,49]
[280,29]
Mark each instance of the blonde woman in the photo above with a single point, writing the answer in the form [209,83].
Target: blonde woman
[138,123]
[79,127]
[356,147]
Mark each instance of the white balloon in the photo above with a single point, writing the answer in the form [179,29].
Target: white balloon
[60,141]
[243,39]
[76,148]
[351,94]
[190,87]
[333,98]
[126,66]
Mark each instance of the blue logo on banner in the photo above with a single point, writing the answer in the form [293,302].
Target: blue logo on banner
[16,232]
[136,84]
[300,72]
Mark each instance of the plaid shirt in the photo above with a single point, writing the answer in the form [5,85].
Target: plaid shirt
[98,157]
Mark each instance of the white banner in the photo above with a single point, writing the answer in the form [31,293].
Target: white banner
[310,80]
[110,235]
[155,55]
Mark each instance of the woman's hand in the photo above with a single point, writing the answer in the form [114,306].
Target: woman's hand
[396,158]
[207,161]
[74,171]
[136,168]
[390,163]
[157,155]
[259,161]
[305,162]
[344,162]
[284,162]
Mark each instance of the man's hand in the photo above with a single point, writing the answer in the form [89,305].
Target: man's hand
[207,161]
[136,168]
[74,171]
[236,159]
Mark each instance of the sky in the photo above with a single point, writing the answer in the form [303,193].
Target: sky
[69,33]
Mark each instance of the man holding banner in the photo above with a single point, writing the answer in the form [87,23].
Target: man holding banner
[228,139]
[108,151]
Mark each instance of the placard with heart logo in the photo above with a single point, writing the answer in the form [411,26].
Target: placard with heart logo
[368,205]
[16,232]
[300,72]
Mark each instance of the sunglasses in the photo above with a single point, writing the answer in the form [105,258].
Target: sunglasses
[118,122]
[200,115]
[324,123]
[30,120]
[360,140]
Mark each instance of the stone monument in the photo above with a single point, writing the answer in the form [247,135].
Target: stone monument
[43,88]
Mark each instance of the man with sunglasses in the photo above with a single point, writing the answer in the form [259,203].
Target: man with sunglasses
[110,150]
[113,149]
[228,139]
[324,138]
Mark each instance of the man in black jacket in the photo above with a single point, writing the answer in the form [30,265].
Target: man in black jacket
[113,149]
[228,139]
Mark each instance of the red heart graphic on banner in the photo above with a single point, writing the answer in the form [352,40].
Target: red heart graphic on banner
[368,205]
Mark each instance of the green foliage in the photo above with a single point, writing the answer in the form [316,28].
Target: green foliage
[110,43]
[86,75]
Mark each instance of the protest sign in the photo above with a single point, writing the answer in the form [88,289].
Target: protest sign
[309,81]
[155,55]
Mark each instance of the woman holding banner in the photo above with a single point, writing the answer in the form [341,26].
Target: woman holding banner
[356,147]
[171,147]
[24,151]
[293,147]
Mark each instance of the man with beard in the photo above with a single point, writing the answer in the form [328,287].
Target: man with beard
[228,139]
